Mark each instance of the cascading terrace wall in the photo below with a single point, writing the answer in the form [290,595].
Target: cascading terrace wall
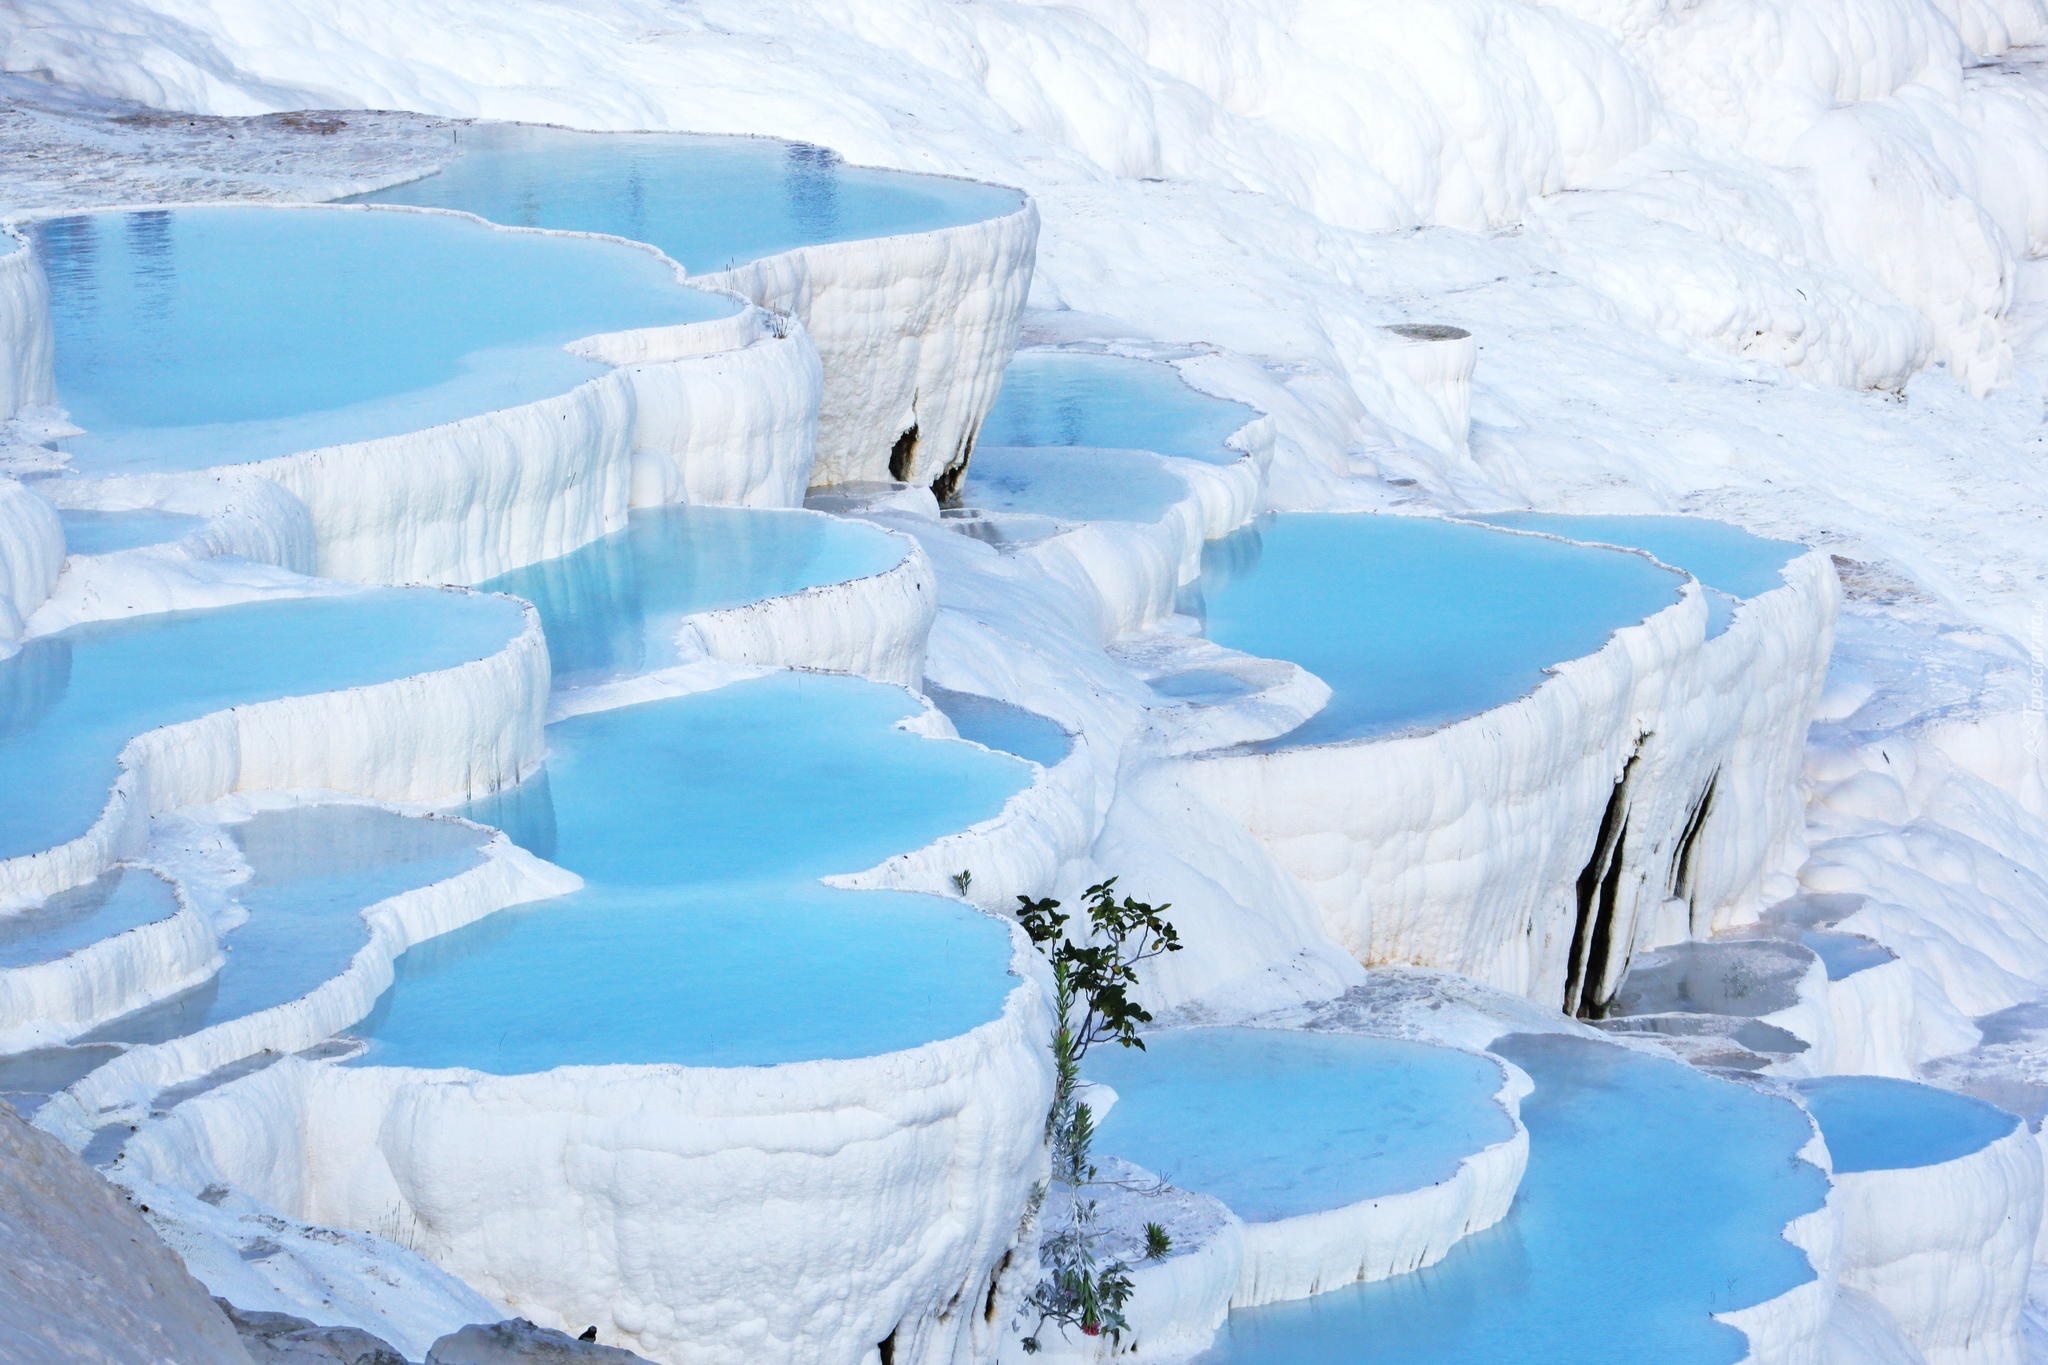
[1536,846]
[914,332]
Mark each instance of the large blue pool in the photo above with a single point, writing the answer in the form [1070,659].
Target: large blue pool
[1073,398]
[70,701]
[700,826]
[1874,1123]
[1414,621]
[614,606]
[188,338]
[1279,1123]
[709,202]
[1655,1197]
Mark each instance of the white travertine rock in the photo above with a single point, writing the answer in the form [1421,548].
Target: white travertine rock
[84,1278]
[28,367]
[914,332]
[872,627]
[1462,847]
[1945,1249]
[31,555]
[799,1212]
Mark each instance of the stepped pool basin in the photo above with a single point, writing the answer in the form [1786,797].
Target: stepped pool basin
[615,606]
[1001,726]
[1277,1123]
[1845,954]
[1071,485]
[313,870]
[1875,1123]
[1413,621]
[100,533]
[69,702]
[1655,1196]
[702,937]
[190,338]
[708,202]
[126,898]
[1731,563]
[1109,402]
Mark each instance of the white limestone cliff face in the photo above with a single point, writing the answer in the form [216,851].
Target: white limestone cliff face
[31,556]
[724,412]
[873,627]
[913,332]
[448,735]
[1461,846]
[84,1277]
[808,1211]
[1465,846]
[1944,1249]
[28,374]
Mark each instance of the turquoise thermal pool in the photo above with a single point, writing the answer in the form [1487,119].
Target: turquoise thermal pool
[1656,1196]
[126,898]
[1281,1123]
[708,202]
[1001,726]
[1874,1123]
[313,871]
[190,338]
[1108,402]
[616,605]
[1071,485]
[1415,621]
[70,701]
[100,533]
[702,937]
[1732,564]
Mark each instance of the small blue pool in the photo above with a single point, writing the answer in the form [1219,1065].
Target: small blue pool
[1073,398]
[1001,726]
[614,606]
[126,898]
[189,338]
[1731,563]
[314,870]
[1655,1197]
[1279,1123]
[702,937]
[70,701]
[100,533]
[1875,1123]
[708,202]
[1415,621]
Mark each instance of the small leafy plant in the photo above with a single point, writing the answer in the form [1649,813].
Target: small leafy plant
[1093,977]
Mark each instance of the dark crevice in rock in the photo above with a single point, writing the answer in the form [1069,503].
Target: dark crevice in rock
[946,487]
[904,455]
[1684,872]
[1599,894]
